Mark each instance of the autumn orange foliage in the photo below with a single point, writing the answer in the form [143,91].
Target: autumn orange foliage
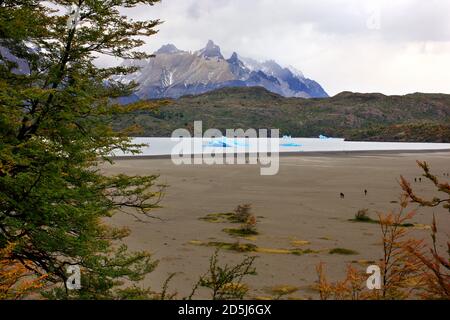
[435,277]
[17,281]
[351,288]
[399,268]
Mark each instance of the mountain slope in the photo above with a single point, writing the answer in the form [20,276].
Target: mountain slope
[173,73]
[351,115]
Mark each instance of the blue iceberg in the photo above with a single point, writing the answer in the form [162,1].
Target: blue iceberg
[225,142]
[287,142]
[216,144]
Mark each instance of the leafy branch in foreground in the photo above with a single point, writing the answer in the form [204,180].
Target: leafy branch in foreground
[443,187]
[399,269]
[225,282]
[350,288]
[55,133]
[436,274]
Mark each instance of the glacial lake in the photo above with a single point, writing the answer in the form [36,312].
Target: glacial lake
[165,146]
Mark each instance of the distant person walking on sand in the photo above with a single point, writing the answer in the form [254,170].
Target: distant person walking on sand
[365,192]
[342,196]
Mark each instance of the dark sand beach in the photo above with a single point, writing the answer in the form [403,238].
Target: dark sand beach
[300,208]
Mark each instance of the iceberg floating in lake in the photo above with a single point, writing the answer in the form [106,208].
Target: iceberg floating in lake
[287,141]
[165,146]
[322,137]
[216,144]
[225,142]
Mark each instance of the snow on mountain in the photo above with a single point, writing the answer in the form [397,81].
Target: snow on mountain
[295,72]
[173,73]
[210,51]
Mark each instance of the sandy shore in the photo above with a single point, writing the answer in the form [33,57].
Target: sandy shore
[298,208]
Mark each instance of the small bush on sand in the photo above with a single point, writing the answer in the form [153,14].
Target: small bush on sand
[243,212]
[362,215]
[225,282]
[247,229]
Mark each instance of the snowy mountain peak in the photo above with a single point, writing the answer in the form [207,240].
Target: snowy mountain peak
[234,58]
[210,51]
[172,75]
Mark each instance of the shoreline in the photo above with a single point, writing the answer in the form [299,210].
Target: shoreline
[304,153]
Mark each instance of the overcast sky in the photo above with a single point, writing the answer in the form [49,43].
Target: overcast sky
[393,47]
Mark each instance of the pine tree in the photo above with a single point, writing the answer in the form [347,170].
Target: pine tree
[55,109]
